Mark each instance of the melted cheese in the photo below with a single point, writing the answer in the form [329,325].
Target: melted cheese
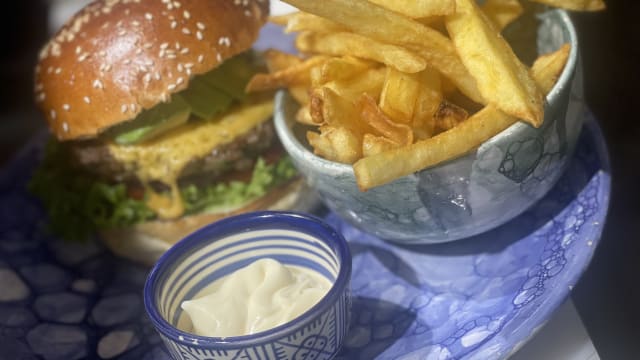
[163,159]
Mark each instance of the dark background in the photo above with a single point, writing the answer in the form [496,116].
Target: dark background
[608,295]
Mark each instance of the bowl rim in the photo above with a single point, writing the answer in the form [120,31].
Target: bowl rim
[291,142]
[242,222]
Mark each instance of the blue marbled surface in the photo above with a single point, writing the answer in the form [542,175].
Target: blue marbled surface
[474,299]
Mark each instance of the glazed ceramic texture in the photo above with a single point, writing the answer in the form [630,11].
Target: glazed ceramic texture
[468,195]
[186,270]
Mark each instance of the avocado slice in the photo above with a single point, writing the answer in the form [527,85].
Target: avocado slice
[205,101]
[154,121]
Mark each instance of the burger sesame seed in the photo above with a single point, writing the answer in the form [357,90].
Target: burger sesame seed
[148,45]
[184,51]
[199,35]
[179,81]
[58,71]
[177,45]
[171,87]
[49,70]
[171,56]
[127,61]
[188,65]
[200,58]
[164,45]
[78,50]
[132,107]
[200,25]
[165,1]
[135,23]
[186,15]
[66,107]
[157,76]
[143,68]
[65,127]
[127,12]
[174,24]
[148,16]
[87,100]
[147,78]
[186,31]
[123,108]
[97,84]
[138,51]
[245,2]
[149,62]
[169,6]
[107,68]
[53,114]
[219,57]
[237,2]
[176,4]
[39,87]
[102,53]
[247,13]
[41,97]
[122,32]
[180,67]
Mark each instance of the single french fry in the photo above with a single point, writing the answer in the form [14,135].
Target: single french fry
[387,166]
[548,68]
[302,21]
[369,82]
[337,144]
[501,78]
[374,144]
[419,8]
[448,116]
[383,125]
[376,22]
[277,60]
[336,111]
[291,76]
[343,68]
[502,12]
[344,43]
[300,93]
[429,97]
[303,116]
[399,95]
[577,5]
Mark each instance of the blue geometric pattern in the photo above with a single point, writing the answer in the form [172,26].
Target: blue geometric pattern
[470,299]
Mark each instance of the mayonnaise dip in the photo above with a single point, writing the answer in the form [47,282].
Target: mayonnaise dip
[258,297]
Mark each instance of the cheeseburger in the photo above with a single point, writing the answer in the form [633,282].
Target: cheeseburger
[153,133]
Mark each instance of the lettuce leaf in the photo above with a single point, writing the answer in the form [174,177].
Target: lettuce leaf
[78,205]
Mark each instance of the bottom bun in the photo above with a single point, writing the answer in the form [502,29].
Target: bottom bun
[146,242]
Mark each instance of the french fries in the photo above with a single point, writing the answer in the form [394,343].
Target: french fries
[502,79]
[394,86]
[344,43]
[577,5]
[387,166]
[419,8]
[393,28]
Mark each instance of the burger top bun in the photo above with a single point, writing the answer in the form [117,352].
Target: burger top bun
[116,58]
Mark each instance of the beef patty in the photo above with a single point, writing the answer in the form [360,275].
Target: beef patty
[95,158]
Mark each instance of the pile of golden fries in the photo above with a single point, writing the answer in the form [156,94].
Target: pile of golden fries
[395,86]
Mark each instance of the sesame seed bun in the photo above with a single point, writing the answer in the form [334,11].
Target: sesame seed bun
[116,58]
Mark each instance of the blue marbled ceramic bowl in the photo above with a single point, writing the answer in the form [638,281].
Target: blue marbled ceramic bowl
[225,246]
[468,195]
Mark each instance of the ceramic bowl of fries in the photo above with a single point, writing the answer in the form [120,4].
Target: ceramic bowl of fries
[428,130]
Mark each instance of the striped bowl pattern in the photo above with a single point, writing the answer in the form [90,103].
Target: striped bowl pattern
[221,248]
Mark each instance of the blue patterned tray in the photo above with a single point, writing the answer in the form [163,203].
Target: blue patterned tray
[478,298]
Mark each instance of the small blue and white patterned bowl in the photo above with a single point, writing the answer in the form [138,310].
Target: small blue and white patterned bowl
[467,195]
[230,244]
